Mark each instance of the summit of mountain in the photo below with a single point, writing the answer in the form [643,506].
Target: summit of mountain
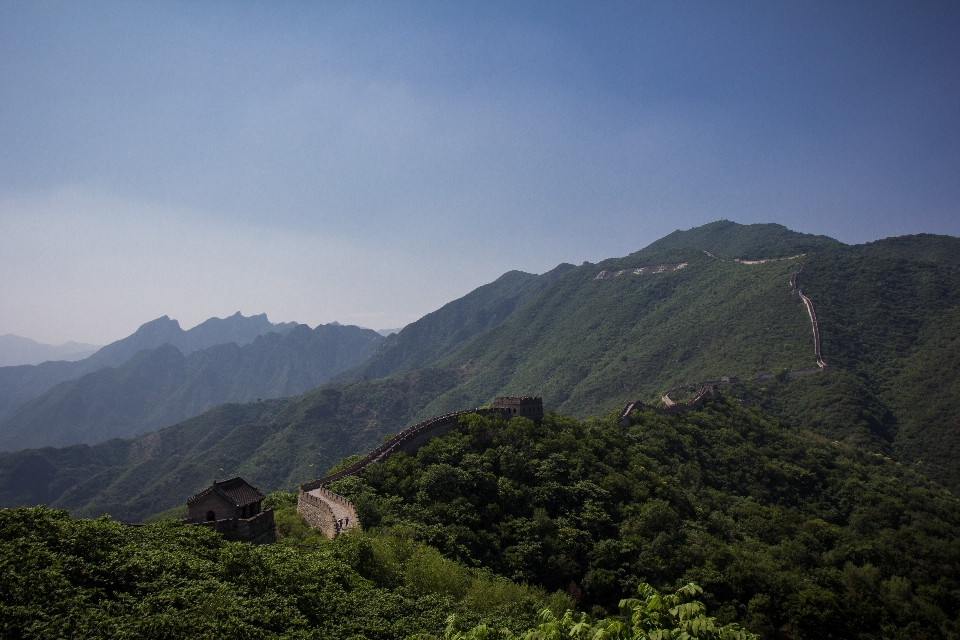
[442,331]
[726,239]
[237,329]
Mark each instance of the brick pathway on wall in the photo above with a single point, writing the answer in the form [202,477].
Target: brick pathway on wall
[340,512]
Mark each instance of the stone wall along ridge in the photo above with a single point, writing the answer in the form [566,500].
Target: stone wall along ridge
[707,392]
[259,529]
[672,407]
[332,513]
[395,444]
[810,311]
[317,513]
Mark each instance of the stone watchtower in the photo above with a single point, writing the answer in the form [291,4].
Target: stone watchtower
[232,507]
[520,406]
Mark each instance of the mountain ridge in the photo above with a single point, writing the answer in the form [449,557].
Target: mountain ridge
[22,383]
[16,350]
[589,346]
[163,386]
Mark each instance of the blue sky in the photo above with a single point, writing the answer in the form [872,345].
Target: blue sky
[368,162]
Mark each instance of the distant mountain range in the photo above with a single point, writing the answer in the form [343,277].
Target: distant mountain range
[19,384]
[696,305]
[16,350]
[162,374]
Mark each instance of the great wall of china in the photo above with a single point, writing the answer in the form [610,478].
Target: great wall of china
[708,388]
[333,514]
[810,311]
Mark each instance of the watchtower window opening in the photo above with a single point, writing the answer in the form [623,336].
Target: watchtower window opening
[211,516]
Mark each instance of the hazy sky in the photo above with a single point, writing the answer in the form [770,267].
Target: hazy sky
[369,162]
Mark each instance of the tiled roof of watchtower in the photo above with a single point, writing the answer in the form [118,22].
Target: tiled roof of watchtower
[235,490]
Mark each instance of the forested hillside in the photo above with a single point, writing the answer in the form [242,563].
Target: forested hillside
[888,314]
[161,387]
[726,239]
[99,579]
[451,326]
[274,444]
[890,317]
[589,343]
[787,532]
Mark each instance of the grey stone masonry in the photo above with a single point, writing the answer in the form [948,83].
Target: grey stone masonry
[520,406]
[259,529]
[233,498]
[232,508]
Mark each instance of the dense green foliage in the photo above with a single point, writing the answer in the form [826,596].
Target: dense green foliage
[890,314]
[160,387]
[786,532]
[99,579]
[275,444]
[652,616]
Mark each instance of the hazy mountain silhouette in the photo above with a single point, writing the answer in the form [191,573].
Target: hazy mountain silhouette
[22,383]
[17,350]
[159,387]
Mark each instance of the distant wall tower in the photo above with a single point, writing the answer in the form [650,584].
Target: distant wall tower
[520,406]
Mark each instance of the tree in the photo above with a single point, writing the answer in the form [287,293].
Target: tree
[653,616]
